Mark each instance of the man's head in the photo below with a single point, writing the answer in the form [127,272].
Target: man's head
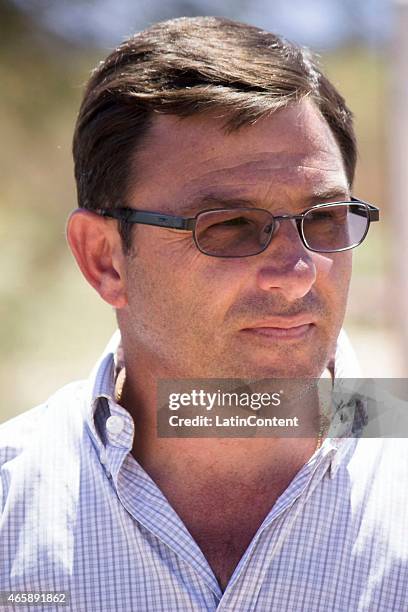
[184,67]
[199,111]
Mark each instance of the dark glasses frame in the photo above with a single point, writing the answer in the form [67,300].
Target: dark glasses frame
[144,217]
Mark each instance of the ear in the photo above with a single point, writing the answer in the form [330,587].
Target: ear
[95,242]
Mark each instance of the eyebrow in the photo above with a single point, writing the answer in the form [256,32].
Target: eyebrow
[212,200]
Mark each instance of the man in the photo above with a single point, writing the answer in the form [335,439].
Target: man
[214,165]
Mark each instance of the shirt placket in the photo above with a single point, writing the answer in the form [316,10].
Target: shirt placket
[276,529]
[144,501]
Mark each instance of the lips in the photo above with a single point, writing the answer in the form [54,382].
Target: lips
[281,327]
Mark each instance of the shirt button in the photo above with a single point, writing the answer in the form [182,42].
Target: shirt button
[114,424]
[103,457]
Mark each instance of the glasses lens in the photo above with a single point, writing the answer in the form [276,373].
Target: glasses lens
[336,226]
[233,233]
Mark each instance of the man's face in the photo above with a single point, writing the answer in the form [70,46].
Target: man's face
[191,315]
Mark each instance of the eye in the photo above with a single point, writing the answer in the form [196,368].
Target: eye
[319,215]
[329,214]
[236,222]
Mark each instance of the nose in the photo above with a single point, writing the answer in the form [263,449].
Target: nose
[286,265]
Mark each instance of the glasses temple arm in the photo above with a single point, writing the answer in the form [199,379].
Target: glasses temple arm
[373,211]
[149,218]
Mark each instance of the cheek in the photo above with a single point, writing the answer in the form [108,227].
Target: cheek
[169,281]
[172,266]
[333,278]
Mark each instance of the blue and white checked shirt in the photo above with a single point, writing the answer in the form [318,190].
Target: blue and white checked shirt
[79,514]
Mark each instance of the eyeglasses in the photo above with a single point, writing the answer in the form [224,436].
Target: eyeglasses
[243,232]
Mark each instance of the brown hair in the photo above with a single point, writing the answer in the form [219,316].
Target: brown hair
[183,67]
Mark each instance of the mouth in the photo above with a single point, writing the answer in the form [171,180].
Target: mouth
[281,328]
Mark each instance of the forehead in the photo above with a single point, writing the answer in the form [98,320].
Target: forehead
[288,155]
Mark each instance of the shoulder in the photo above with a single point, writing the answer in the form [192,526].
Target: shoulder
[377,473]
[42,453]
[18,432]
[34,436]
[375,493]
[376,457]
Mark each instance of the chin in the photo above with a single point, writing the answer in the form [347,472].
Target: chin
[265,357]
[311,366]
[262,371]
[287,372]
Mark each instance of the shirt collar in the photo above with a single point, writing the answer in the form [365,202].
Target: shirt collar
[103,376]
[341,435]
[100,402]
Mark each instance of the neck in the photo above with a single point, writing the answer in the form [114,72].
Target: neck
[262,460]
[209,482]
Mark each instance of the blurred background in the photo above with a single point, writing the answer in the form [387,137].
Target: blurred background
[53,326]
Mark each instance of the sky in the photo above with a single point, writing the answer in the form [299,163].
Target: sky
[321,24]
